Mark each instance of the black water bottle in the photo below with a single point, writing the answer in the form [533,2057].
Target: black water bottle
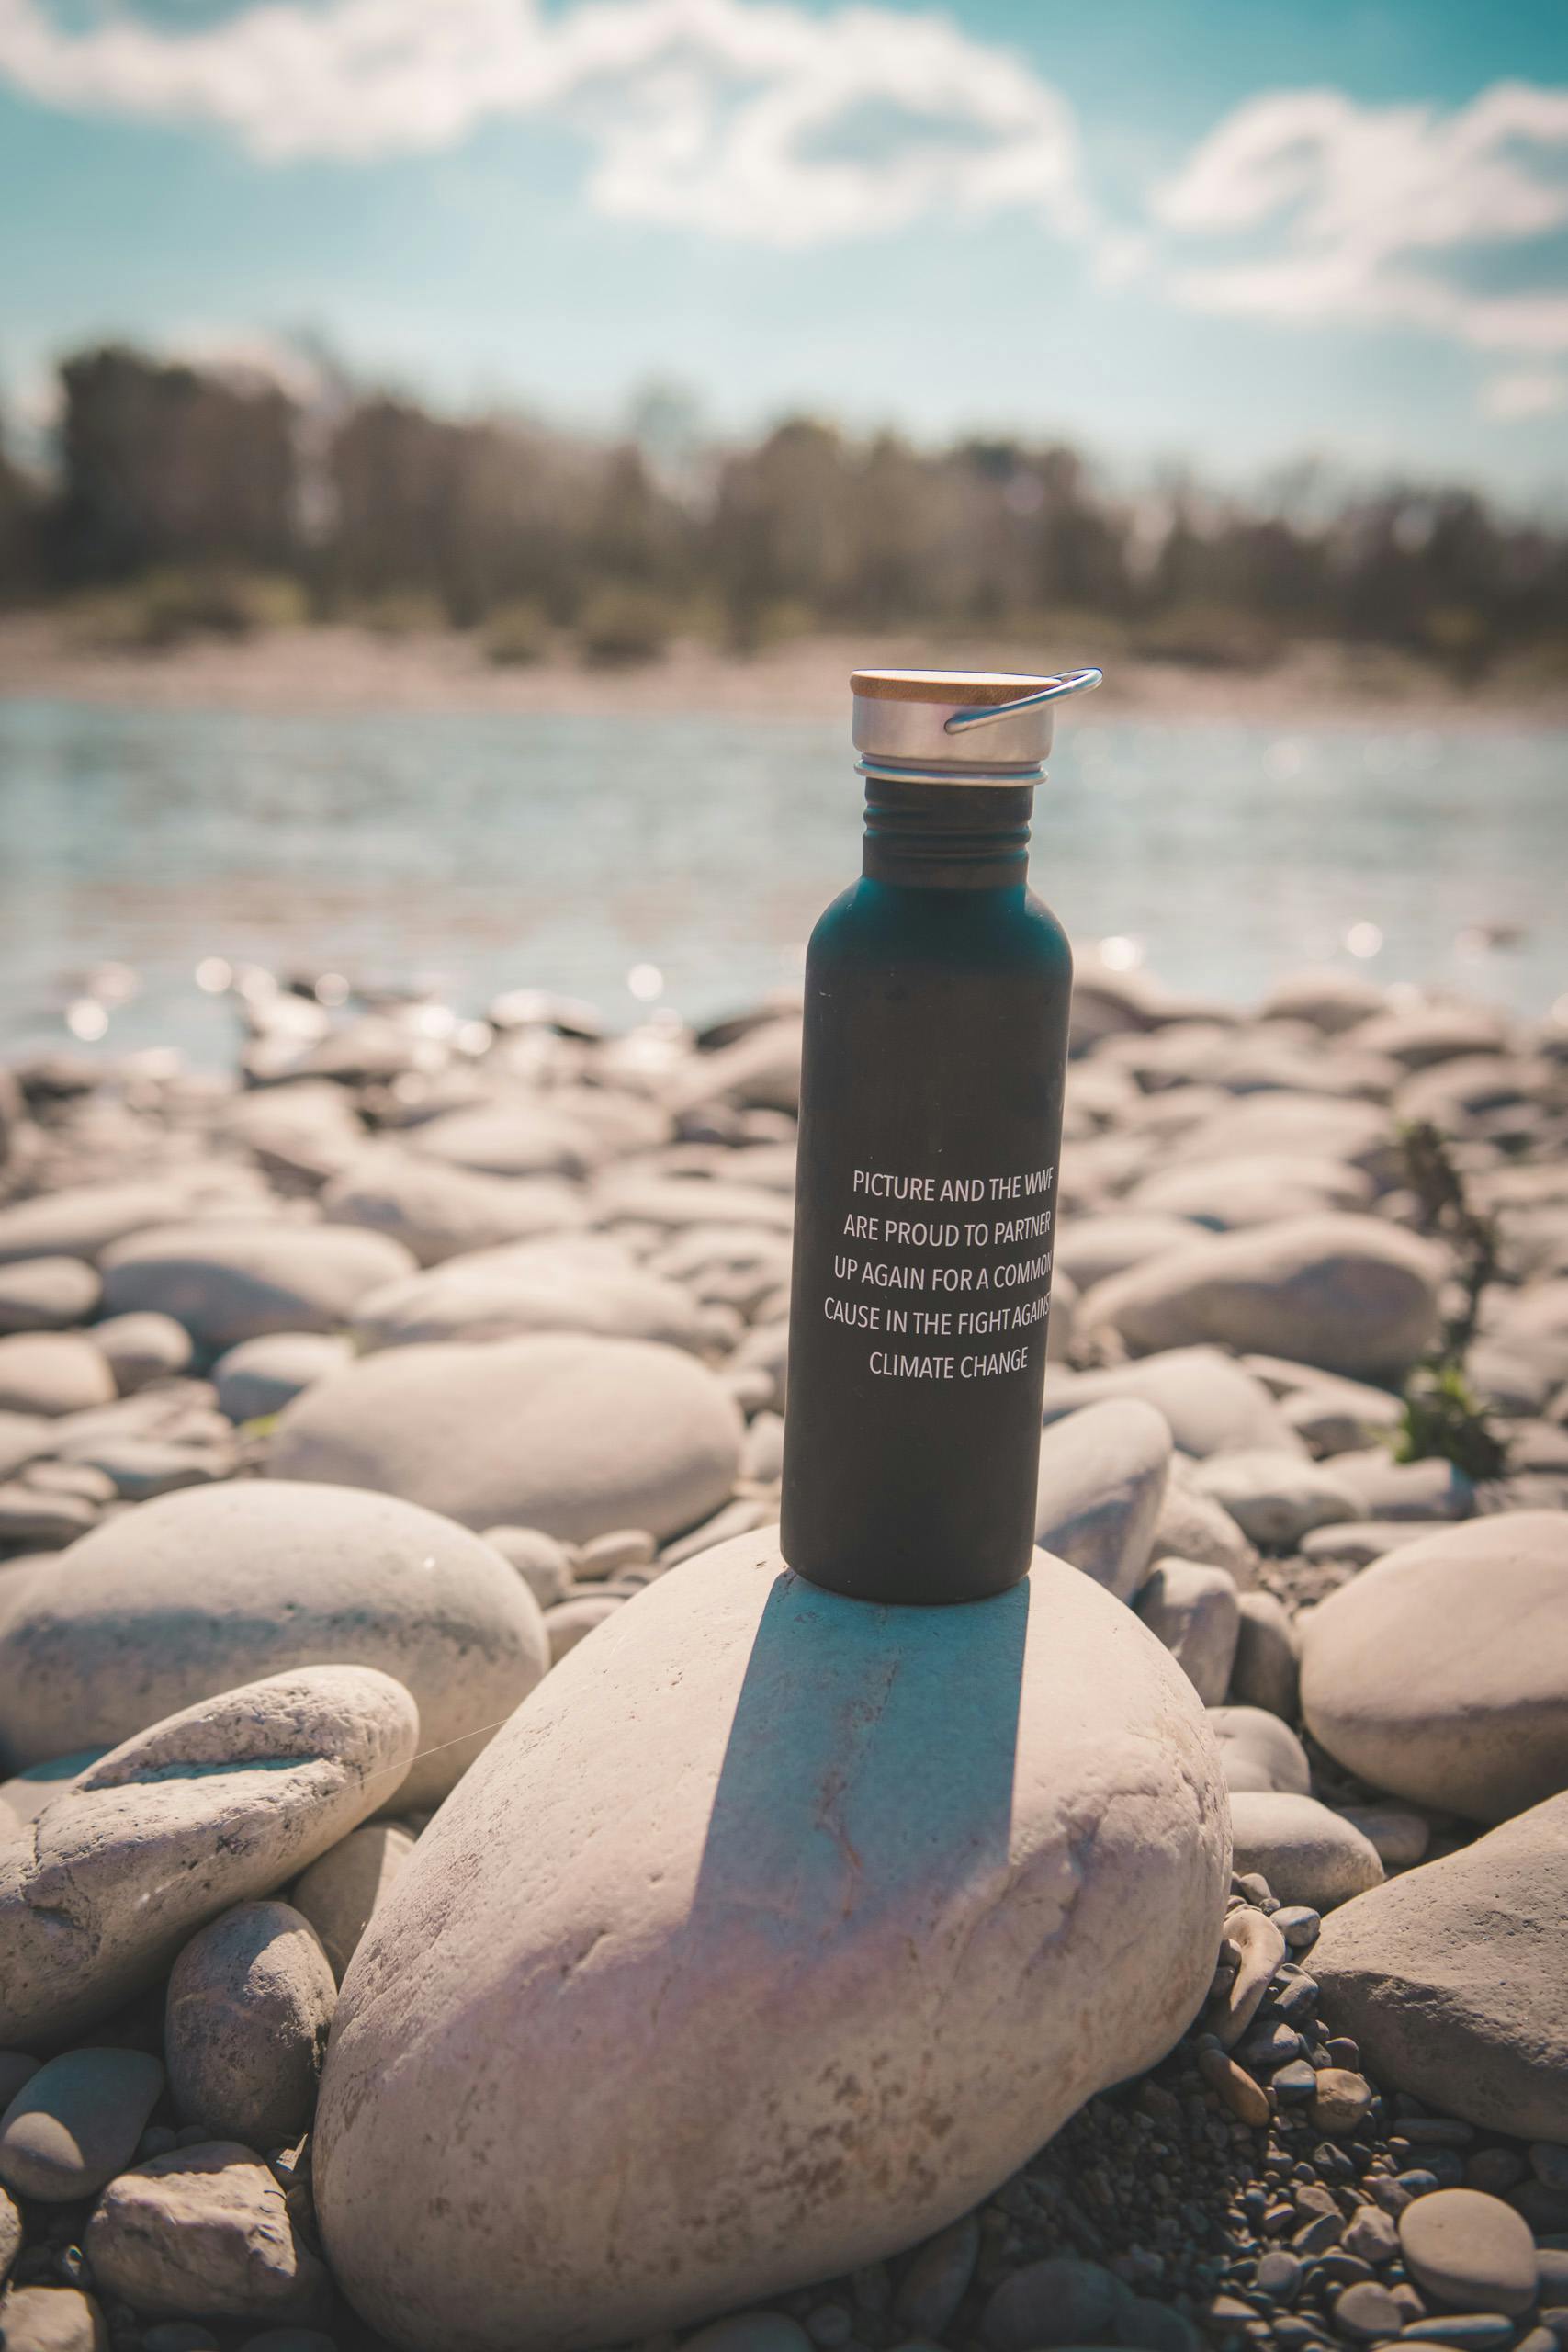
[937,993]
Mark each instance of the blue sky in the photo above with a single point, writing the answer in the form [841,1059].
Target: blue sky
[1196,230]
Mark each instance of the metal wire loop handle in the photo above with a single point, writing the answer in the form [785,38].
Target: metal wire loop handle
[1072,682]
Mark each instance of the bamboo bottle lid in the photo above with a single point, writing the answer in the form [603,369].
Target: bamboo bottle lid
[959,726]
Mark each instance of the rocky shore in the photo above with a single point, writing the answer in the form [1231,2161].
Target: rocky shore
[457,1889]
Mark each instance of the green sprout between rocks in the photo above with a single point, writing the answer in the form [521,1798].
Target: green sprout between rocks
[1443,1416]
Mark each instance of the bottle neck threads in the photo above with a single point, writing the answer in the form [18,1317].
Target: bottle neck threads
[946,836]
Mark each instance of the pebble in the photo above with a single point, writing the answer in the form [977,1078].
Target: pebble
[938,2276]
[603,1555]
[290,2339]
[1241,2092]
[10,2234]
[1259,1948]
[259,1376]
[1341,2101]
[53,2319]
[1466,2331]
[1194,1611]
[47,1294]
[52,1373]
[1264,1673]
[75,2122]
[1279,2273]
[1274,1497]
[142,1347]
[1469,2251]
[542,1561]
[1055,2302]
[339,1893]
[203,2233]
[750,2332]
[249,2003]
[1368,2314]
[1101,1481]
[1259,1751]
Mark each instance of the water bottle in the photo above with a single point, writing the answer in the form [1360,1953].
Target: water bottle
[937,994]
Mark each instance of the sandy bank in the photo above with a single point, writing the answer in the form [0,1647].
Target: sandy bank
[345,668]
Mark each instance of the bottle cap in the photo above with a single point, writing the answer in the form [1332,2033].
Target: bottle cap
[959,726]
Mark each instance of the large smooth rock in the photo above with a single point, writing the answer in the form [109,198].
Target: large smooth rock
[1212,1404]
[871,1901]
[52,1373]
[211,1808]
[204,2233]
[1102,1479]
[1441,1673]
[589,1286]
[245,2023]
[575,1436]
[1355,1294]
[1450,1978]
[439,1212]
[214,1586]
[1306,1853]
[232,1281]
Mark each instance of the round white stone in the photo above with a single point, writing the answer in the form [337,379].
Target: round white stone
[852,1905]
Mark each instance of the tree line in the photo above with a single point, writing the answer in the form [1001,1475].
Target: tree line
[245,500]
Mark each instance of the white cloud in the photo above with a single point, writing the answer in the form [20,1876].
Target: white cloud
[1530,391]
[749,118]
[1375,212]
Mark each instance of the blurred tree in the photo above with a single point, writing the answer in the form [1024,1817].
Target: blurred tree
[182,474]
[166,465]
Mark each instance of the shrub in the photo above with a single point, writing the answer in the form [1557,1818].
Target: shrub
[517,634]
[623,625]
[401,611]
[169,607]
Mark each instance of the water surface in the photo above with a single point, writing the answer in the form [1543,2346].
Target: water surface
[480,851]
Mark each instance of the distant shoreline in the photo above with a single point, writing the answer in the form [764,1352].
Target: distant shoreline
[338,668]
